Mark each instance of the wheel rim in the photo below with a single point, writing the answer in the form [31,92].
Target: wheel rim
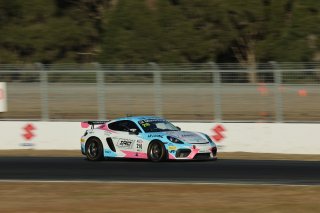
[93,150]
[156,151]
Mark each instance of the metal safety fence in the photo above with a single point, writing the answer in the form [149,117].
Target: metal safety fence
[270,92]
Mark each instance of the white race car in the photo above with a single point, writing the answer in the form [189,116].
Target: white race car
[144,137]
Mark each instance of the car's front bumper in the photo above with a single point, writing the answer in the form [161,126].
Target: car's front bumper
[193,152]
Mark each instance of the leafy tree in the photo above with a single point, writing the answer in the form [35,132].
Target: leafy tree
[131,35]
[163,31]
[172,31]
[21,28]
[298,39]
[49,31]
[193,29]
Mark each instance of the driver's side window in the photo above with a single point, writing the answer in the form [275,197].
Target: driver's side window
[119,126]
[123,126]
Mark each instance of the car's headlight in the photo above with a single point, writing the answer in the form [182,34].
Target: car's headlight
[174,140]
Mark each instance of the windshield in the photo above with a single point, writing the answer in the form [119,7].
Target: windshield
[157,125]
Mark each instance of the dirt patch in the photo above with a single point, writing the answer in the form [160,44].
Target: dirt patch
[222,155]
[107,197]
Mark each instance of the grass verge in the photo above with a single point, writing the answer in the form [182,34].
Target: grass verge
[174,198]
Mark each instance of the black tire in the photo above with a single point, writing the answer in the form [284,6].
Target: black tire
[94,149]
[157,152]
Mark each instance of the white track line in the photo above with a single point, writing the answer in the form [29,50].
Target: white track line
[158,182]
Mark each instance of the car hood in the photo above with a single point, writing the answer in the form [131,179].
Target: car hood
[188,137]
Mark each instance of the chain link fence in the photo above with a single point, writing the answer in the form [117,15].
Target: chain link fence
[271,92]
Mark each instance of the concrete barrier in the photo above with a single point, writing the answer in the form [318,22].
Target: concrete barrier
[264,138]
[230,137]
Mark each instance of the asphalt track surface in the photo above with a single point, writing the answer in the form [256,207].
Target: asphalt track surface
[220,171]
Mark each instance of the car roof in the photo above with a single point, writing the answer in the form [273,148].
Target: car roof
[137,118]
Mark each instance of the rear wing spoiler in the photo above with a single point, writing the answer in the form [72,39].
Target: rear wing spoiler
[86,124]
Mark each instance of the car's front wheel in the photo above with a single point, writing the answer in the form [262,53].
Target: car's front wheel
[157,152]
[94,149]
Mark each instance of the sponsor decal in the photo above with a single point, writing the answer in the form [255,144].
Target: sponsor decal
[82,140]
[145,124]
[189,135]
[203,150]
[218,136]
[139,147]
[172,148]
[155,136]
[26,144]
[28,132]
[125,143]
[151,121]
[28,135]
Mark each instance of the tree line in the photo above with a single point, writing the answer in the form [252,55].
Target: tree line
[162,31]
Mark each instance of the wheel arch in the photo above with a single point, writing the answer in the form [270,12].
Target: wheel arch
[154,140]
[159,141]
[92,137]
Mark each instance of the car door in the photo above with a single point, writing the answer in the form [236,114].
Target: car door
[123,140]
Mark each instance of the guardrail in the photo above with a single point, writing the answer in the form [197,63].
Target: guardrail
[271,92]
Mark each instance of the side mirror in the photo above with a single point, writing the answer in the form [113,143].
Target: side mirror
[178,128]
[133,132]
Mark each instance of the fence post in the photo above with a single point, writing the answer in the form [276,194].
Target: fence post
[43,91]
[100,91]
[217,92]
[277,91]
[157,83]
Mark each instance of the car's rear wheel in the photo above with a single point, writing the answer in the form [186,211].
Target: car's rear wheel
[94,149]
[157,152]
